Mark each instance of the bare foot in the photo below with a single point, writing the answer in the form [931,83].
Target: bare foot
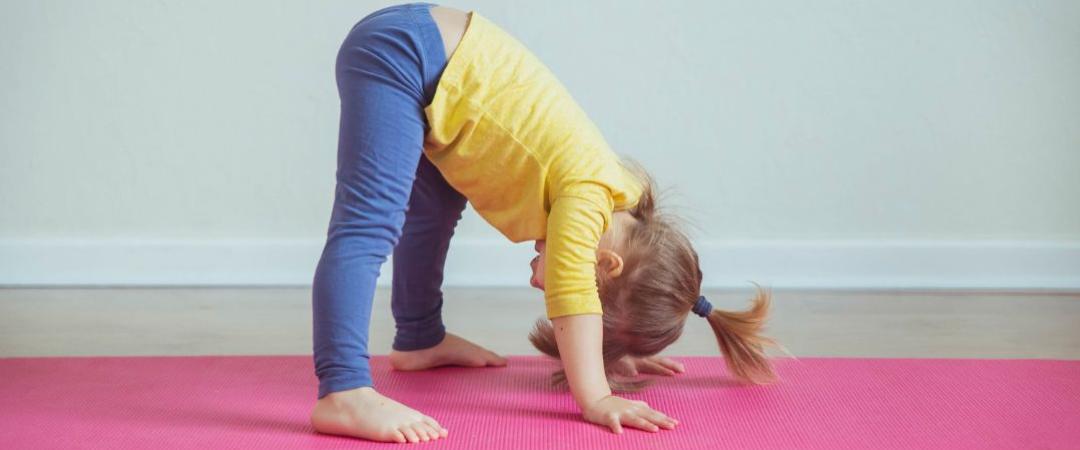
[367,414]
[452,351]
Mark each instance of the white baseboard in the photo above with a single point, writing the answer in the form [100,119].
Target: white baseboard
[870,264]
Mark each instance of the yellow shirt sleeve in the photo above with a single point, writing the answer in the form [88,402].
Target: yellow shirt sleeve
[577,219]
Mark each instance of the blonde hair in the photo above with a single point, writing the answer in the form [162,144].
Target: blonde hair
[646,307]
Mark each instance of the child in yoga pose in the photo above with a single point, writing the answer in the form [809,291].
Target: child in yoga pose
[441,107]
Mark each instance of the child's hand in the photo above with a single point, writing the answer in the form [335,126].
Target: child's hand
[614,412]
[631,366]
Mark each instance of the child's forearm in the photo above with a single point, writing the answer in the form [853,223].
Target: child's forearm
[580,341]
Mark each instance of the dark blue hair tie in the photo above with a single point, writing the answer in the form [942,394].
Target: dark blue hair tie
[702,307]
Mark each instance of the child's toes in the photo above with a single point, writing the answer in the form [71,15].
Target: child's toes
[435,425]
[421,432]
[431,432]
[495,360]
[471,361]
[398,436]
[410,434]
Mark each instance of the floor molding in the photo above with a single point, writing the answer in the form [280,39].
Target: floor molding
[824,264]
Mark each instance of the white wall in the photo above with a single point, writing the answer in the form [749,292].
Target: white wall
[811,143]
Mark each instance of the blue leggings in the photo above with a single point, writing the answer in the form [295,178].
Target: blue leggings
[389,197]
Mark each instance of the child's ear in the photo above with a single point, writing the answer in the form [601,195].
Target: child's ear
[609,262]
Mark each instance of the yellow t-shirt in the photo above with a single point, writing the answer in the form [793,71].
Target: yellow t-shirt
[507,135]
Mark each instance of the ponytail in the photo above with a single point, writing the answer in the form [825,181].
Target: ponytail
[738,333]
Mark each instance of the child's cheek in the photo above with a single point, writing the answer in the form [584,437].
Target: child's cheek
[537,280]
[540,272]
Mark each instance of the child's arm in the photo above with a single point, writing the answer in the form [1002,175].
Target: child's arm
[579,340]
[576,222]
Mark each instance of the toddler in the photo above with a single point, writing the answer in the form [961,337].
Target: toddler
[440,107]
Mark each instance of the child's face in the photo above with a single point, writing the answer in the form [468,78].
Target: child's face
[614,234]
[537,264]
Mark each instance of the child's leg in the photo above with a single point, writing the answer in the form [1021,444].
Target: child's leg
[416,299]
[386,71]
[422,341]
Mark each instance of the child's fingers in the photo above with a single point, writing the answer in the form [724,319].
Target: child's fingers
[628,368]
[615,424]
[657,368]
[640,422]
[659,418]
[672,364]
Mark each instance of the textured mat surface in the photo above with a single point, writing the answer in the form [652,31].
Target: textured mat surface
[263,402]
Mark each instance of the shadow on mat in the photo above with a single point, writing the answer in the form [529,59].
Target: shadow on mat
[250,421]
[510,411]
[210,416]
[697,381]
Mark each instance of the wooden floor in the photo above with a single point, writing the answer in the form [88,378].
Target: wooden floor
[202,321]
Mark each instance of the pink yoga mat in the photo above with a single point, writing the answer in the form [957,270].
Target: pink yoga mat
[263,402]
